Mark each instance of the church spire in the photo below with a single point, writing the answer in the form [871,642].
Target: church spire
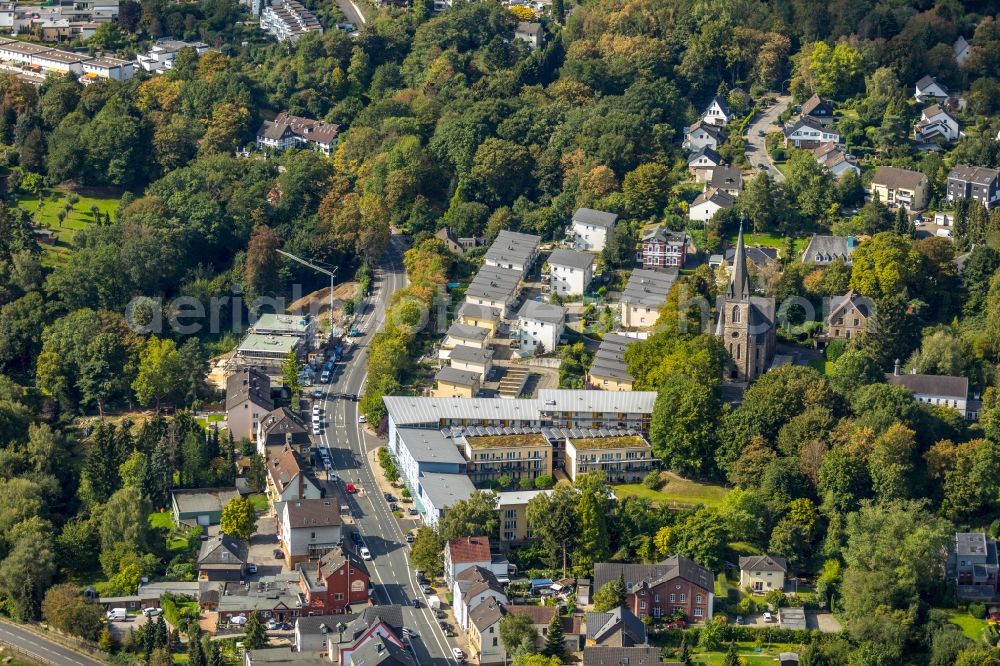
[739,284]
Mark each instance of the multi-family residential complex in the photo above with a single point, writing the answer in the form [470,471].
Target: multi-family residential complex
[288,20]
[609,371]
[539,327]
[45,59]
[644,295]
[590,229]
[662,248]
[900,187]
[513,251]
[512,508]
[57,21]
[160,57]
[524,456]
[623,458]
[976,183]
[570,272]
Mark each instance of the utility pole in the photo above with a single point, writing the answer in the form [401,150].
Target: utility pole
[318,269]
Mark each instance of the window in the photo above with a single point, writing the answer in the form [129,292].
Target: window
[339,596]
[684,597]
[736,314]
[494,640]
[642,605]
[697,598]
[698,612]
[673,597]
[656,598]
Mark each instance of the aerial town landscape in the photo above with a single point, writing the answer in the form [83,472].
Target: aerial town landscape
[500,332]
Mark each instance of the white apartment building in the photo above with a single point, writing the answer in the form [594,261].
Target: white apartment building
[540,325]
[570,272]
[590,229]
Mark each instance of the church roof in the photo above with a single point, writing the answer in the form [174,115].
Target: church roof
[739,283]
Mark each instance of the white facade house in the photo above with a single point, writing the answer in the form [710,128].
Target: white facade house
[308,529]
[472,587]
[590,228]
[160,57]
[718,112]
[936,123]
[570,272]
[540,325]
[530,32]
[962,49]
[288,21]
[940,390]
[708,203]
[928,90]
[513,251]
[809,133]
[702,135]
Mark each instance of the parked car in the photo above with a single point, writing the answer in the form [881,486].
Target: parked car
[318,393]
[278,554]
[761,133]
[362,419]
[151,612]
[419,575]
[365,553]
[409,538]
[317,430]
[389,497]
[350,488]
[767,617]
[458,654]
[426,589]
[286,626]
[740,620]
[316,410]
[393,506]
[252,568]
[412,511]
[238,620]
[440,614]
[272,625]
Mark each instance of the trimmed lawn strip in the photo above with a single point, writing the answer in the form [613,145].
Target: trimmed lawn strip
[676,491]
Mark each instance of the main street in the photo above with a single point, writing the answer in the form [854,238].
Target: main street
[350,446]
[42,649]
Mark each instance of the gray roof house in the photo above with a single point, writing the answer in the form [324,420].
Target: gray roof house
[571,258]
[638,655]
[544,312]
[823,250]
[617,628]
[200,506]
[222,558]
[597,218]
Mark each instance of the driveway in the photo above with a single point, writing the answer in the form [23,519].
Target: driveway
[262,546]
[765,122]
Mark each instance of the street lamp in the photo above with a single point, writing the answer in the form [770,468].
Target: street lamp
[318,270]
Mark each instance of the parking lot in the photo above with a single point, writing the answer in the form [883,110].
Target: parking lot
[263,545]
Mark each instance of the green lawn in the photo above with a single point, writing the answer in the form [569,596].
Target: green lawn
[259,501]
[77,219]
[676,491]
[969,625]
[768,654]
[821,366]
[162,520]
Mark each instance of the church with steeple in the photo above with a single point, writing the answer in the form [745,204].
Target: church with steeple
[745,322]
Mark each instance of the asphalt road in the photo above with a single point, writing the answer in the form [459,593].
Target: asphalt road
[756,150]
[41,649]
[350,445]
[352,12]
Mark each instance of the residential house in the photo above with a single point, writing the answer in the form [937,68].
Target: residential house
[495,288]
[289,478]
[977,183]
[622,458]
[436,492]
[520,456]
[618,627]
[835,160]
[200,506]
[480,316]
[282,427]
[928,90]
[455,383]
[708,203]
[644,295]
[726,179]
[541,618]
[718,112]
[900,187]
[599,410]
[222,558]
[484,633]
[570,272]
[746,323]
[702,162]
[287,131]
[638,655]
[662,248]
[513,251]
[464,553]
[962,49]
[703,135]
[302,327]
[248,400]
[756,256]
[308,529]
[609,371]
[676,585]
[335,581]
[942,390]
[470,359]
[591,228]
[539,327]
[161,55]
[382,652]
[530,32]
[344,639]
[463,335]
[268,352]
[276,597]
[848,316]
[762,573]
[974,567]
[807,132]
[936,123]
[824,250]
[512,509]
[818,109]
[471,587]
[288,21]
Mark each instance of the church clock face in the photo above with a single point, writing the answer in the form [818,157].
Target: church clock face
[735,334]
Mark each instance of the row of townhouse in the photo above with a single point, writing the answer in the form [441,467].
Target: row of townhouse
[45,59]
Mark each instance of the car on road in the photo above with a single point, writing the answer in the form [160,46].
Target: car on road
[151,612]
[252,568]
[324,377]
[409,538]
[416,603]
[362,419]
[365,553]
[350,488]
[426,589]
[318,393]
[458,654]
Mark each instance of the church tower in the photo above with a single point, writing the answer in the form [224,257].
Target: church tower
[745,322]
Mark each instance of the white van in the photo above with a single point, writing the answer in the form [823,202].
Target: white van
[117,615]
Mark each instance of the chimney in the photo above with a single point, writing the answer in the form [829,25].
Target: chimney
[895,370]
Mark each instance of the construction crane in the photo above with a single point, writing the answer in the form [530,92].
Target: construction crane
[326,271]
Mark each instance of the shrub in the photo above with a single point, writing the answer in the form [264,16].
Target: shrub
[653,480]
[776,599]
[977,611]
[544,482]
[835,350]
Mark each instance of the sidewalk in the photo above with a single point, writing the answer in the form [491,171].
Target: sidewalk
[407,523]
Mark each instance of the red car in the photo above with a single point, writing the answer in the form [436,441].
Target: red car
[351,489]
